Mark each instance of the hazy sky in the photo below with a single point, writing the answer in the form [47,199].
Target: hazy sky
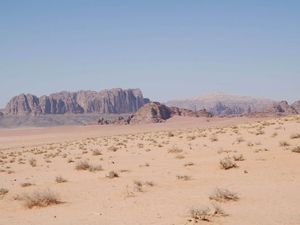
[168,48]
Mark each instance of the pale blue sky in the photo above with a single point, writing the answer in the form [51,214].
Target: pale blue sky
[168,48]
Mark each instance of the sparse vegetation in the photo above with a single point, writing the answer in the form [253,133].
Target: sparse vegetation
[84,165]
[206,213]
[112,174]
[227,163]
[60,179]
[223,195]
[3,191]
[32,162]
[239,157]
[296,149]
[295,136]
[40,199]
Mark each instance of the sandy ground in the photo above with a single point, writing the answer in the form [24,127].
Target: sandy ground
[164,171]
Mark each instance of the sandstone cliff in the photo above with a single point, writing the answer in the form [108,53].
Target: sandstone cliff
[107,101]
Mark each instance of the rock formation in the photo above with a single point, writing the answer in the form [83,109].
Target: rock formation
[296,106]
[283,108]
[156,112]
[105,102]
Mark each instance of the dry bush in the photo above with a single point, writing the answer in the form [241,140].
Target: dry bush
[96,152]
[40,199]
[206,213]
[238,157]
[84,165]
[170,134]
[240,140]
[183,177]
[27,184]
[213,138]
[296,149]
[295,136]
[284,144]
[3,191]
[223,195]
[175,150]
[112,148]
[33,162]
[60,179]
[112,174]
[227,163]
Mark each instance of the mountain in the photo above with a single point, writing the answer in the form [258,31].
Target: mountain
[225,104]
[105,102]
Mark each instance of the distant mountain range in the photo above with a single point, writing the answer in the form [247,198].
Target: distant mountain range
[129,101]
[222,104]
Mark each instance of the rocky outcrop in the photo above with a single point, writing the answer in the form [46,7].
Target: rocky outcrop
[105,102]
[156,112]
[296,106]
[283,108]
[153,112]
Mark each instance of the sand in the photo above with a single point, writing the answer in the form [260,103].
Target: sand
[164,171]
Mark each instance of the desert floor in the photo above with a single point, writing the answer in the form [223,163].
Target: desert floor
[168,174]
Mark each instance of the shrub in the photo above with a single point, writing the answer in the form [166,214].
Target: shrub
[227,163]
[295,136]
[3,191]
[40,199]
[296,150]
[60,179]
[84,165]
[112,174]
[223,195]
[238,157]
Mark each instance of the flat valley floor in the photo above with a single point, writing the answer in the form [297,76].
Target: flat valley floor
[223,171]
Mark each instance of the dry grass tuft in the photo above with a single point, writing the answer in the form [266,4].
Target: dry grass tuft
[84,165]
[112,174]
[295,136]
[238,158]
[206,213]
[60,179]
[40,199]
[223,195]
[3,191]
[296,149]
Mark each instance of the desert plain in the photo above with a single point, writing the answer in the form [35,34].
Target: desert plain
[226,171]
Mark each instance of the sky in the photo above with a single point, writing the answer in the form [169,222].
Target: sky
[169,48]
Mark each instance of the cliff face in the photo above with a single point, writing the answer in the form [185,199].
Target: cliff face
[106,101]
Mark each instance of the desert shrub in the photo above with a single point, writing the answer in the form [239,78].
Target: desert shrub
[84,165]
[284,144]
[295,136]
[27,184]
[60,179]
[183,177]
[238,157]
[3,191]
[223,195]
[112,174]
[213,138]
[206,213]
[227,163]
[40,199]
[32,162]
[96,152]
[296,149]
